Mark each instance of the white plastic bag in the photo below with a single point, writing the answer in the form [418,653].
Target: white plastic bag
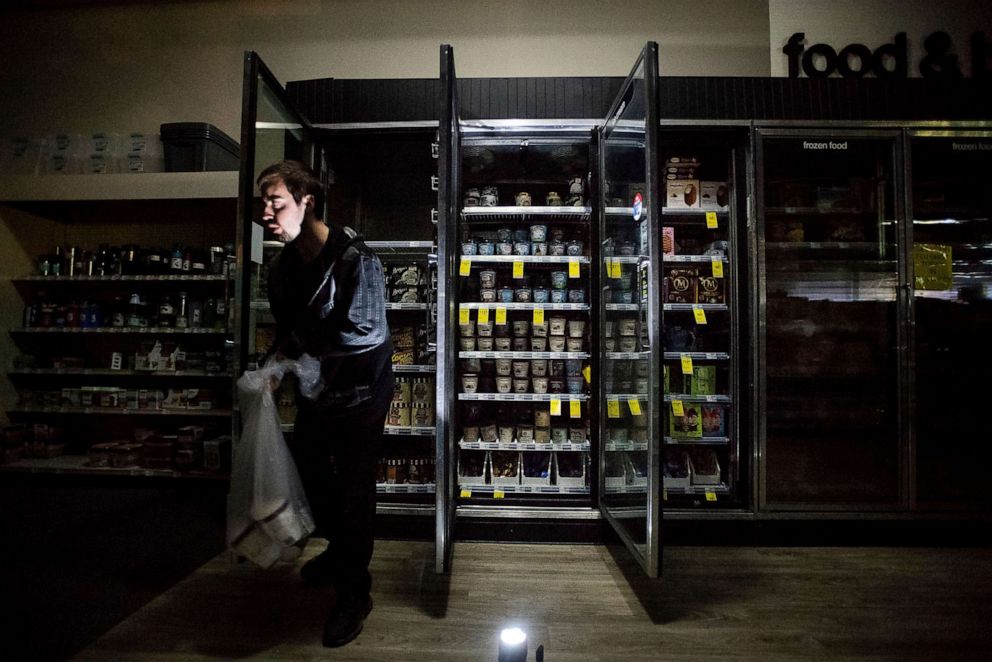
[268,517]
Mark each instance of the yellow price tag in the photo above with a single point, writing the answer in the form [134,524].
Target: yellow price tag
[697,312]
[717,267]
[587,373]
[466,494]
[711,496]
[573,268]
[464,316]
[575,408]
[465,267]
[711,220]
[635,406]
[501,315]
[686,364]
[518,269]
[616,271]
[664,495]
[555,407]
[677,408]
[483,316]
[539,316]
[612,408]
[498,494]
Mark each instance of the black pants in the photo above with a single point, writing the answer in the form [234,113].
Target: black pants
[337,452]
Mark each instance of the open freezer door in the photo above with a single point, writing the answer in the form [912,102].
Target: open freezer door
[630,489]
[449,166]
[271,130]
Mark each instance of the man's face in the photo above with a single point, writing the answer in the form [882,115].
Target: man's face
[282,214]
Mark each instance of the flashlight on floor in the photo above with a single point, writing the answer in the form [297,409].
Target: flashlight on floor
[512,645]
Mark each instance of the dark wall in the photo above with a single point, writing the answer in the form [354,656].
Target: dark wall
[330,100]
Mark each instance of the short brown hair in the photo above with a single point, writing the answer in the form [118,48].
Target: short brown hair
[299,179]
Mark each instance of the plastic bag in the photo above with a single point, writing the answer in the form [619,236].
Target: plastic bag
[268,517]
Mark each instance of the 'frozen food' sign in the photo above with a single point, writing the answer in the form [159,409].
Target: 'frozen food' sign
[888,60]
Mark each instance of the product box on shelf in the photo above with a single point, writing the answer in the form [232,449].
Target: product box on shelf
[199,398]
[668,240]
[680,284]
[710,289]
[217,453]
[537,468]
[614,473]
[714,420]
[704,467]
[702,381]
[714,196]
[504,467]
[682,194]
[570,469]
[676,469]
[198,147]
[472,467]
[689,426]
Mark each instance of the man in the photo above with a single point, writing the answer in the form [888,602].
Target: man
[327,294]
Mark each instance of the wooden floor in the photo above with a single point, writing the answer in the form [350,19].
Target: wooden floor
[585,603]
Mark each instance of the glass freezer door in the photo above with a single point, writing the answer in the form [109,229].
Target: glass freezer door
[449,148]
[629,303]
[952,307]
[829,273]
[271,130]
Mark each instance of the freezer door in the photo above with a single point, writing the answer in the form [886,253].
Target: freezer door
[829,219]
[271,130]
[630,487]
[449,149]
[951,261]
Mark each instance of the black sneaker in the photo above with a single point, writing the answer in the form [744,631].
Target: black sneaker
[318,571]
[345,621]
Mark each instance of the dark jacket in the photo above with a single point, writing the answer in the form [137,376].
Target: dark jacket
[333,308]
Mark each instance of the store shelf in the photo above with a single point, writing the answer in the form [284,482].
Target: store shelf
[714,307]
[405,488]
[672,211]
[136,186]
[703,441]
[624,211]
[414,368]
[150,278]
[523,355]
[623,307]
[613,446]
[79,464]
[543,214]
[482,489]
[521,397]
[526,306]
[409,431]
[526,259]
[106,372]
[626,356]
[387,248]
[711,399]
[822,245]
[516,446]
[818,211]
[699,490]
[117,411]
[698,356]
[706,259]
[406,306]
[116,330]
[624,259]
[626,489]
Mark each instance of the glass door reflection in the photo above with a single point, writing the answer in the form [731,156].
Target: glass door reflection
[630,316]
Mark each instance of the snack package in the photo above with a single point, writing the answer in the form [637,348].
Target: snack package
[681,283]
[689,426]
[714,420]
